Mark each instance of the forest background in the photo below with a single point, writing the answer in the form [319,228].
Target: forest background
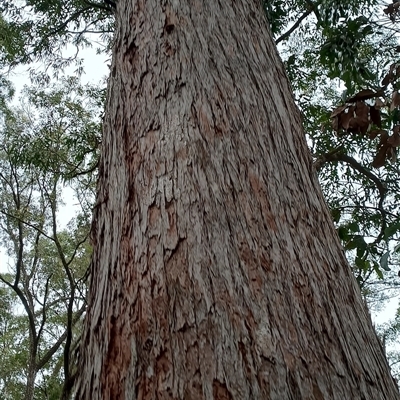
[342,58]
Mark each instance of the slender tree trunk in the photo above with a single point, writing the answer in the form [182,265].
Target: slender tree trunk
[30,383]
[217,272]
[31,368]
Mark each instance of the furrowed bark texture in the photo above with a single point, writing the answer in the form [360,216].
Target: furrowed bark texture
[217,273]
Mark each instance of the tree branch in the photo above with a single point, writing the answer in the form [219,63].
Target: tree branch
[25,303]
[46,358]
[312,8]
[44,315]
[294,27]
[338,155]
[26,223]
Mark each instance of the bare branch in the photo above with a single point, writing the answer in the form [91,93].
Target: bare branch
[44,315]
[338,155]
[47,356]
[294,27]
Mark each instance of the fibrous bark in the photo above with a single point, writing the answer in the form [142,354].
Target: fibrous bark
[217,272]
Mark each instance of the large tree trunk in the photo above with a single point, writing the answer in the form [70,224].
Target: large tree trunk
[217,273]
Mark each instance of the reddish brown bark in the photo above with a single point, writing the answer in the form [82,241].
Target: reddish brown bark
[217,273]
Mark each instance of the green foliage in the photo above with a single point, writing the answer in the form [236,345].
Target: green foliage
[278,13]
[342,52]
[63,128]
[32,30]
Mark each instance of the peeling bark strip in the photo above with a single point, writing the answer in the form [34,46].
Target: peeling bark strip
[217,273]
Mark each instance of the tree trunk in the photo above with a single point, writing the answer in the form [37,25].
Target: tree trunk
[217,272]
[31,366]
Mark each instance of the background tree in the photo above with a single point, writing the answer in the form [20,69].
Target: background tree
[49,142]
[35,30]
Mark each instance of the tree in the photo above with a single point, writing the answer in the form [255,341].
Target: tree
[326,39]
[217,272]
[47,143]
[320,41]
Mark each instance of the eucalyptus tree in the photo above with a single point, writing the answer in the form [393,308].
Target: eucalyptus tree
[344,46]
[216,270]
[47,143]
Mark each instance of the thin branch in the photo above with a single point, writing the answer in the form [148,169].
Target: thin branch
[68,338]
[100,6]
[360,168]
[83,240]
[87,171]
[49,354]
[367,207]
[60,299]
[27,224]
[35,261]
[44,315]
[294,27]
[62,26]
[338,155]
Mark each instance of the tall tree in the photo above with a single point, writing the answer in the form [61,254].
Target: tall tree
[47,143]
[217,273]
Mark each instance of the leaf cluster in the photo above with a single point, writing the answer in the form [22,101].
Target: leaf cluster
[32,30]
